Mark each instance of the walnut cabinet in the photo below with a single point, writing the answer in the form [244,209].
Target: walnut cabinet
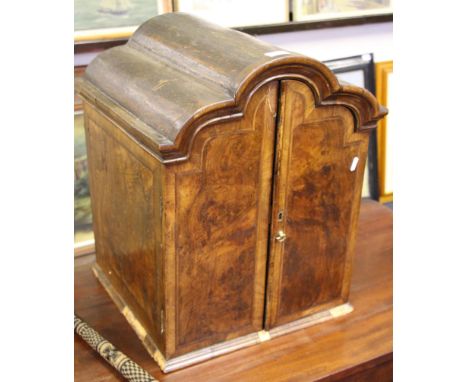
[225,177]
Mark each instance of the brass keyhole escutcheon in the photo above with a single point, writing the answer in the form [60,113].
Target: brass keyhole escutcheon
[280,236]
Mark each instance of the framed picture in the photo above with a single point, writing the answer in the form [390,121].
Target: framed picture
[316,10]
[359,70]
[384,77]
[84,237]
[111,19]
[237,13]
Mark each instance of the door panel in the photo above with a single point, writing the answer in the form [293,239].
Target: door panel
[222,200]
[316,200]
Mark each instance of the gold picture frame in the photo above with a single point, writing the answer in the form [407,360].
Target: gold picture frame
[319,10]
[98,20]
[383,72]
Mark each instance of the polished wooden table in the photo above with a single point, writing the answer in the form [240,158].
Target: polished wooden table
[355,347]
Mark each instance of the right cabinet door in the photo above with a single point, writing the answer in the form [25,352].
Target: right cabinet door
[318,173]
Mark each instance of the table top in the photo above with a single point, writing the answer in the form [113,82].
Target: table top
[330,351]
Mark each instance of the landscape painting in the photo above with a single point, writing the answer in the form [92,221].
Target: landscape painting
[84,237]
[98,17]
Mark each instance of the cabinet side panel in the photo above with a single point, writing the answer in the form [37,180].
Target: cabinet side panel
[221,202]
[125,186]
[316,203]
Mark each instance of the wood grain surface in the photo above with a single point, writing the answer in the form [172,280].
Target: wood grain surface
[315,203]
[179,73]
[125,201]
[184,144]
[217,212]
[355,347]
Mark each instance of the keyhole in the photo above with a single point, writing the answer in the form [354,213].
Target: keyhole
[280,216]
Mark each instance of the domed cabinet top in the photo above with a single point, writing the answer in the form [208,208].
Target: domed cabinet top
[178,73]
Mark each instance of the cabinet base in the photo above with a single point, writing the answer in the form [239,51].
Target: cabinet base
[217,349]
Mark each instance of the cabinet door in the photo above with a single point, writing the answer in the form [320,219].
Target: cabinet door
[316,197]
[218,210]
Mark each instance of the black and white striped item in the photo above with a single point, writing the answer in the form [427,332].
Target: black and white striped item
[124,365]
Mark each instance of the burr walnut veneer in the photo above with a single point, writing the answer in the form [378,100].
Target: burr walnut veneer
[225,178]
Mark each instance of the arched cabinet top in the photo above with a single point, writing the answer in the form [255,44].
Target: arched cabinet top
[179,73]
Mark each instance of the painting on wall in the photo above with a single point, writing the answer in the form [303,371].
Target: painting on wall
[332,9]
[104,19]
[236,13]
[84,238]
[359,71]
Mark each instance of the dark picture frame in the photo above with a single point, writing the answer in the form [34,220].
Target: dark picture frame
[350,65]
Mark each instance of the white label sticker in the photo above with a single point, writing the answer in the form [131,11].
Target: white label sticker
[276,53]
[354,164]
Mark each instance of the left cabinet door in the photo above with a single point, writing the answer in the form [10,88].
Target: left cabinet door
[217,221]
